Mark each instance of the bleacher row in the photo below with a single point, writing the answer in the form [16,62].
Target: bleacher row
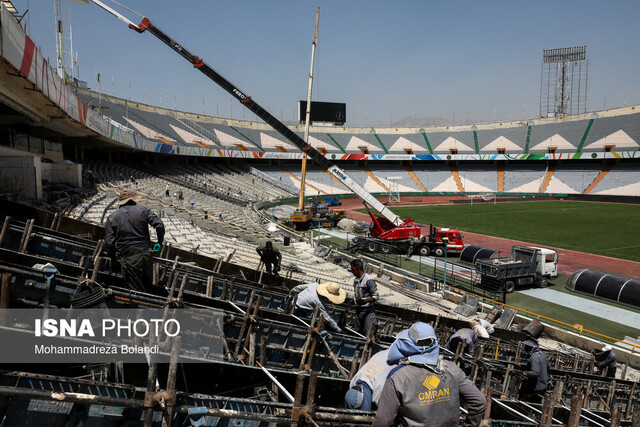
[206,191]
[236,232]
[622,179]
[207,223]
[600,132]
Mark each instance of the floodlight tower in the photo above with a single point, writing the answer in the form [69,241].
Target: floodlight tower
[563,82]
[59,39]
[61,68]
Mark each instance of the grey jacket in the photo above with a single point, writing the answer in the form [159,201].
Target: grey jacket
[422,395]
[466,335]
[127,229]
[606,360]
[365,287]
[307,300]
[374,373]
[536,372]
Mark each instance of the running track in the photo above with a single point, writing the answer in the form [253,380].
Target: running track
[569,261]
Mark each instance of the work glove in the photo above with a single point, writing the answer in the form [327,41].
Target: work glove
[360,301]
[157,247]
[324,334]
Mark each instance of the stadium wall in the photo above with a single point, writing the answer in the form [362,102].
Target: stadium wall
[21,52]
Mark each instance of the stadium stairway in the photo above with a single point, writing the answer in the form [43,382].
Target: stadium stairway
[605,170]
[415,178]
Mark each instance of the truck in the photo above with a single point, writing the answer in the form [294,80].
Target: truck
[332,201]
[525,265]
[315,215]
[383,239]
[390,226]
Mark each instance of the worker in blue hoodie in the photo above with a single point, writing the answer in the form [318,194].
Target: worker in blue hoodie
[424,389]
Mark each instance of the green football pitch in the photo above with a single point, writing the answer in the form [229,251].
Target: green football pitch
[599,228]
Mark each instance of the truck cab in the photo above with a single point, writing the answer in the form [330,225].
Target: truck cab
[547,263]
[456,242]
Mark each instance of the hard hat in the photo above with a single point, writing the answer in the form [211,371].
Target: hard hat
[606,348]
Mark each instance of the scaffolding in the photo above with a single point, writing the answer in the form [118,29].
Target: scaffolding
[394,192]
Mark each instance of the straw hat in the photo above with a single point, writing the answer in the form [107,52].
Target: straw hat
[333,291]
[128,194]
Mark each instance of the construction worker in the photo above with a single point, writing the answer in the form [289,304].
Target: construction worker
[534,384]
[311,295]
[127,238]
[486,325]
[365,294]
[605,362]
[166,190]
[424,389]
[467,337]
[270,256]
[480,330]
[180,194]
[366,385]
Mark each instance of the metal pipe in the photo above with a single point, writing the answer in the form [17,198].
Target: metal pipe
[347,418]
[5,298]
[181,290]
[228,413]
[171,378]
[538,411]
[513,411]
[25,233]
[355,332]
[151,386]
[277,383]
[5,226]
[236,307]
[300,320]
[89,399]
[243,328]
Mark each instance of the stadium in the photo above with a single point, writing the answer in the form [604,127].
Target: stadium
[568,182]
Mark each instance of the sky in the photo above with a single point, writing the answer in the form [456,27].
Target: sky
[389,61]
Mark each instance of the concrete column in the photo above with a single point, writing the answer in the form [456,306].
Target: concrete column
[62,173]
[21,175]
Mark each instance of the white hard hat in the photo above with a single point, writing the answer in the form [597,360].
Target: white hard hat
[606,348]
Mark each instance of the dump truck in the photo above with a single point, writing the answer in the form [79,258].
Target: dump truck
[525,265]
